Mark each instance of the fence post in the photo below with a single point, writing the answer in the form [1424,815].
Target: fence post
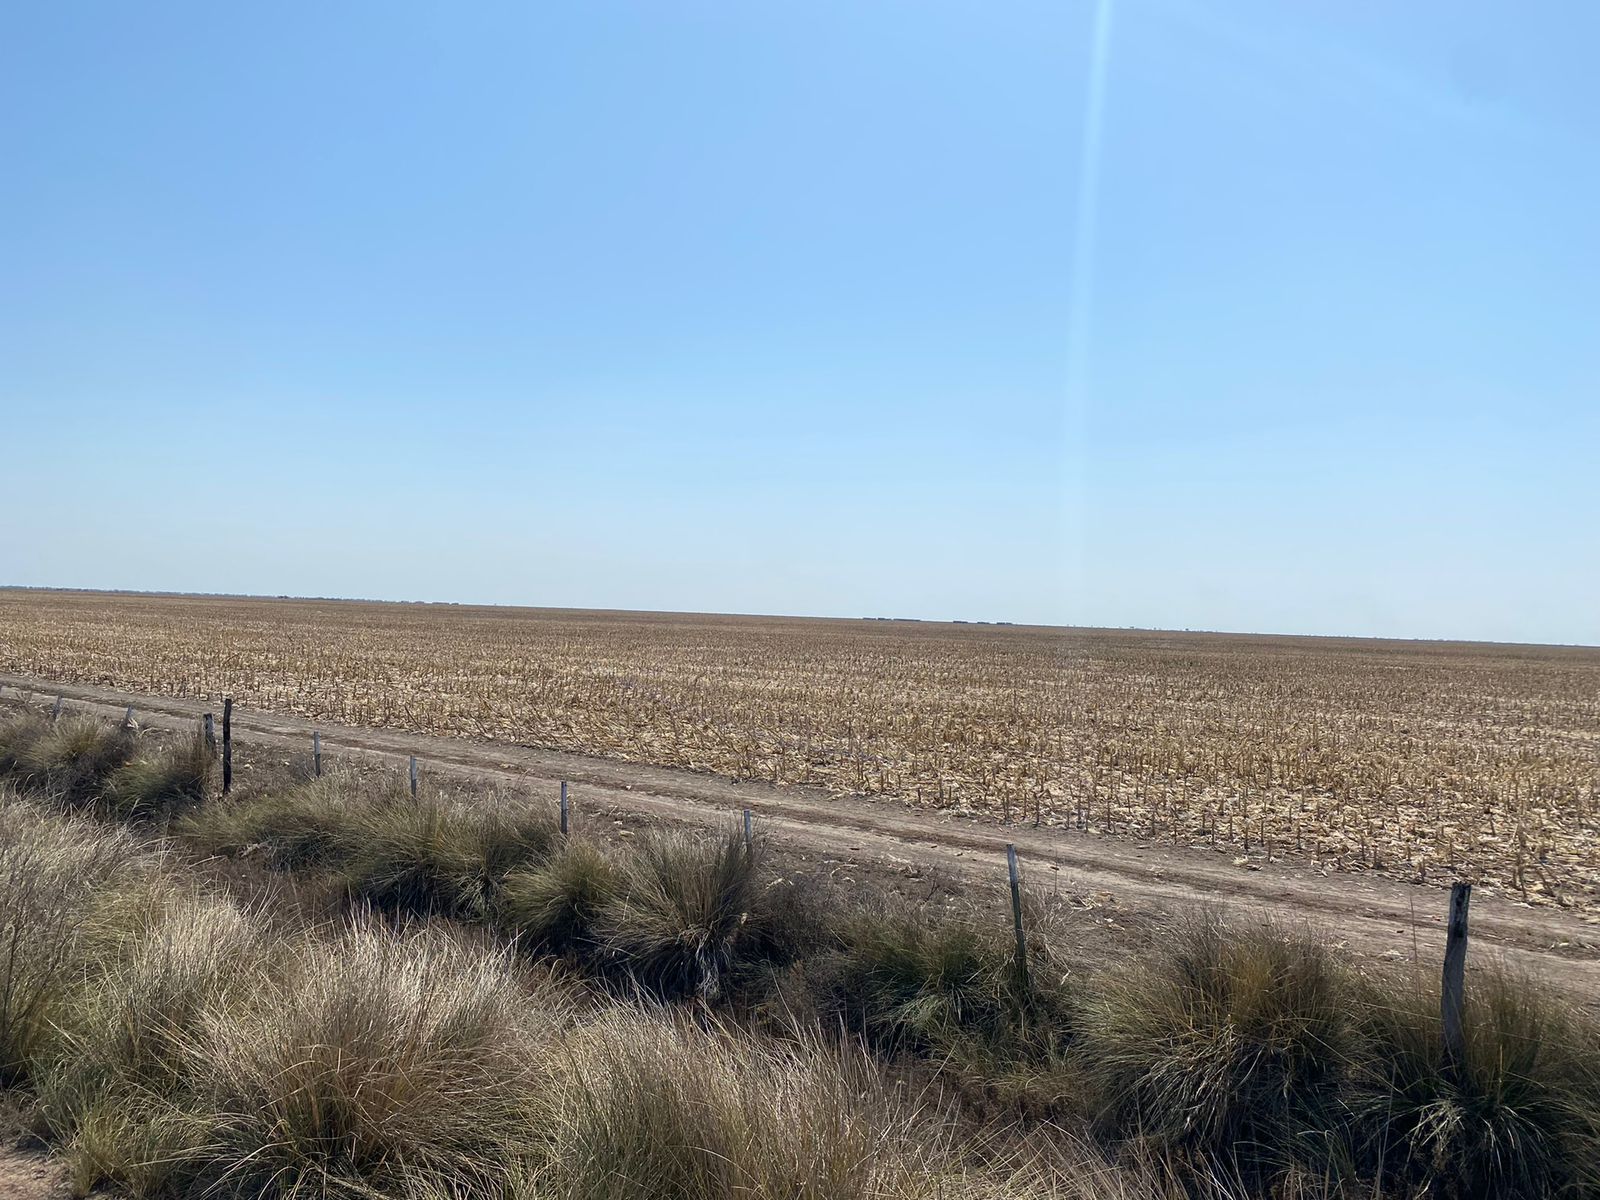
[211,734]
[563,806]
[413,776]
[1016,916]
[749,833]
[55,713]
[1452,1004]
[227,745]
[316,754]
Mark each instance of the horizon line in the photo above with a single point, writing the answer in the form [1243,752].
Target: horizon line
[692,612]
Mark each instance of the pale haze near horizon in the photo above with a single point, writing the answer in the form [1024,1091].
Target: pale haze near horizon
[1171,314]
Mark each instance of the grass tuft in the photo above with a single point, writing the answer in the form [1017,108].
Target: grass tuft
[291,828]
[676,923]
[1228,1043]
[70,759]
[117,1091]
[161,785]
[50,869]
[429,857]
[1521,1117]
[932,984]
[648,1104]
[433,857]
[554,906]
[378,1064]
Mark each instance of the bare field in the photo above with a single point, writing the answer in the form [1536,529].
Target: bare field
[1419,760]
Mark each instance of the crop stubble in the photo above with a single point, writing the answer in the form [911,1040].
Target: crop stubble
[1423,760]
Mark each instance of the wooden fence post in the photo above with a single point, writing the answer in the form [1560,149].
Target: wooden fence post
[563,806]
[211,734]
[1453,1000]
[227,745]
[413,776]
[749,833]
[316,754]
[1016,916]
[55,713]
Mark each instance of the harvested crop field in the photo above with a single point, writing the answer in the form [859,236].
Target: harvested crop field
[1419,760]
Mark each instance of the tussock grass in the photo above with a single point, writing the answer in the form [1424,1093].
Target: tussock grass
[1230,1043]
[17,732]
[554,906]
[162,784]
[404,855]
[907,980]
[911,980]
[117,1089]
[433,857]
[50,868]
[383,1063]
[1520,1118]
[945,988]
[686,906]
[651,1104]
[294,828]
[70,759]
[83,763]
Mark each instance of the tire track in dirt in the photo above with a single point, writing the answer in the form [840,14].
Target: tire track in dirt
[1375,917]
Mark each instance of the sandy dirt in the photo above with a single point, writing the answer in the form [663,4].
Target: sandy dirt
[1374,917]
[31,1175]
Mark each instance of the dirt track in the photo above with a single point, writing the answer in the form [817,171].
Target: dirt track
[1373,916]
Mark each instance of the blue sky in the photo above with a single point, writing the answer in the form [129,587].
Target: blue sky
[833,308]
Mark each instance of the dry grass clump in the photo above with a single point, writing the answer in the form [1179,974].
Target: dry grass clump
[49,870]
[693,914]
[83,763]
[396,1064]
[553,907]
[427,857]
[433,857]
[161,784]
[648,1103]
[1257,1055]
[299,828]
[1521,1117]
[1232,1044]
[944,988]
[117,1082]
[910,980]
[71,758]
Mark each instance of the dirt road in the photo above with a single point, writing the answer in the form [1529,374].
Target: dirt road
[1375,917]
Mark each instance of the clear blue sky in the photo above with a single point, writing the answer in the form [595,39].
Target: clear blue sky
[1263,316]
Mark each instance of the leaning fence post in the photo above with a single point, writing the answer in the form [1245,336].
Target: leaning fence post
[1016,916]
[749,834]
[316,754]
[55,713]
[211,734]
[227,745]
[563,806]
[1452,1004]
[413,776]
